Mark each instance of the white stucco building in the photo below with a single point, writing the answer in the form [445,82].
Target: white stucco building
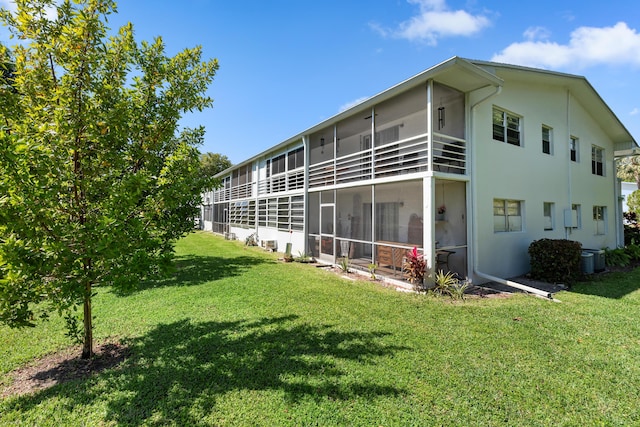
[469,161]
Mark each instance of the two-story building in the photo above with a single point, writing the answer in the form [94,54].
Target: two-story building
[469,161]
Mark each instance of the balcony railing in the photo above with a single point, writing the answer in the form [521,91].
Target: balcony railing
[399,157]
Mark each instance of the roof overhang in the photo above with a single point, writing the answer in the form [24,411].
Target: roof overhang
[629,152]
[456,72]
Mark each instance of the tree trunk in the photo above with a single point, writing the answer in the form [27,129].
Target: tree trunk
[87,344]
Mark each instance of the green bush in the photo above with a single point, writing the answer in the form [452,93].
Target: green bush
[616,257]
[633,250]
[555,261]
[631,228]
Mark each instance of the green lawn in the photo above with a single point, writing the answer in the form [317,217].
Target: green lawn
[238,338]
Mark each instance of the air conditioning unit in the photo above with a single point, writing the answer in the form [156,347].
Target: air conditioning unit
[270,245]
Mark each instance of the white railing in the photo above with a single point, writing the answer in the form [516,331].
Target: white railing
[321,174]
[242,191]
[449,154]
[404,156]
[354,167]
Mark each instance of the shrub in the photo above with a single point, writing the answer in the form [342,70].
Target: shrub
[555,260]
[633,250]
[343,263]
[372,270]
[631,228]
[415,268]
[443,282]
[616,257]
[449,284]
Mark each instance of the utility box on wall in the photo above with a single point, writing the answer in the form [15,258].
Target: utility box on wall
[569,221]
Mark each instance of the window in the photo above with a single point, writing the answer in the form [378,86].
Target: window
[506,127]
[599,219]
[597,160]
[242,213]
[295,158]
[297,213]
[573,149]
[284,213]
[576,216]
[548,212]
[507,215]
[546,139]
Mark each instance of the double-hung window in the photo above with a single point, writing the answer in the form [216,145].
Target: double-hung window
[576,216]
[506,127]
[507,215]
[573,149]
[599,219]
[546,139]
[597,160]
[548,209]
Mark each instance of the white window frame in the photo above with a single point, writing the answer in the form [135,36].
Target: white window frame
[508,216]
[600,220]
[576,214]
[597,159]
[574,147]
[548,140]
[548,212]
[506,123]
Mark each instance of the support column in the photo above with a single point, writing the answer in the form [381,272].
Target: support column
[429,229]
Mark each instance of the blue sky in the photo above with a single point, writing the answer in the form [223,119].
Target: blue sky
[287,65]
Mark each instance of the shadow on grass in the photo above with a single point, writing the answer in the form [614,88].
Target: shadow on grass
[611,285]
[178,371]
[195,270]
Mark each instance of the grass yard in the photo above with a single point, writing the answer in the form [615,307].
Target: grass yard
[237,338]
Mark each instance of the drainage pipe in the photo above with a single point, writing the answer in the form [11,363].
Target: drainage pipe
[516,285]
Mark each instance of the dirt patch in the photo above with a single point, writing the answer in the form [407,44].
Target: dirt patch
[63,366]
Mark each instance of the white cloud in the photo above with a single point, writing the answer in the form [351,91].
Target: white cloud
[616,45]
[353,103]
[635,112]
[537,33]
[436,21]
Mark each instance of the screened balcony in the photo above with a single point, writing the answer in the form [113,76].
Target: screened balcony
[392,138]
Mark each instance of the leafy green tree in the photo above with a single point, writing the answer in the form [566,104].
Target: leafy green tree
[7,74]
[213,163]
[633,201]
[96,183]
[629,169]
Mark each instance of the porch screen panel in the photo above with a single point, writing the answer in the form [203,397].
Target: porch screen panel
[297,213]
[327,220]
[313,217]
[321,146]
[353,216]
[353,148]
[448,111]
[400,138]
[399,213]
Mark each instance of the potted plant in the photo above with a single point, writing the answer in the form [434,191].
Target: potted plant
[442,209]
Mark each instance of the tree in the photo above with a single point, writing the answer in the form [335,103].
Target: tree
[633,201]
[629,169]
[96,183]
[213,163]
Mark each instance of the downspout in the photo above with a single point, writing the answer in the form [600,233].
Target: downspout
[474,197]
[567,230]
[617,191]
